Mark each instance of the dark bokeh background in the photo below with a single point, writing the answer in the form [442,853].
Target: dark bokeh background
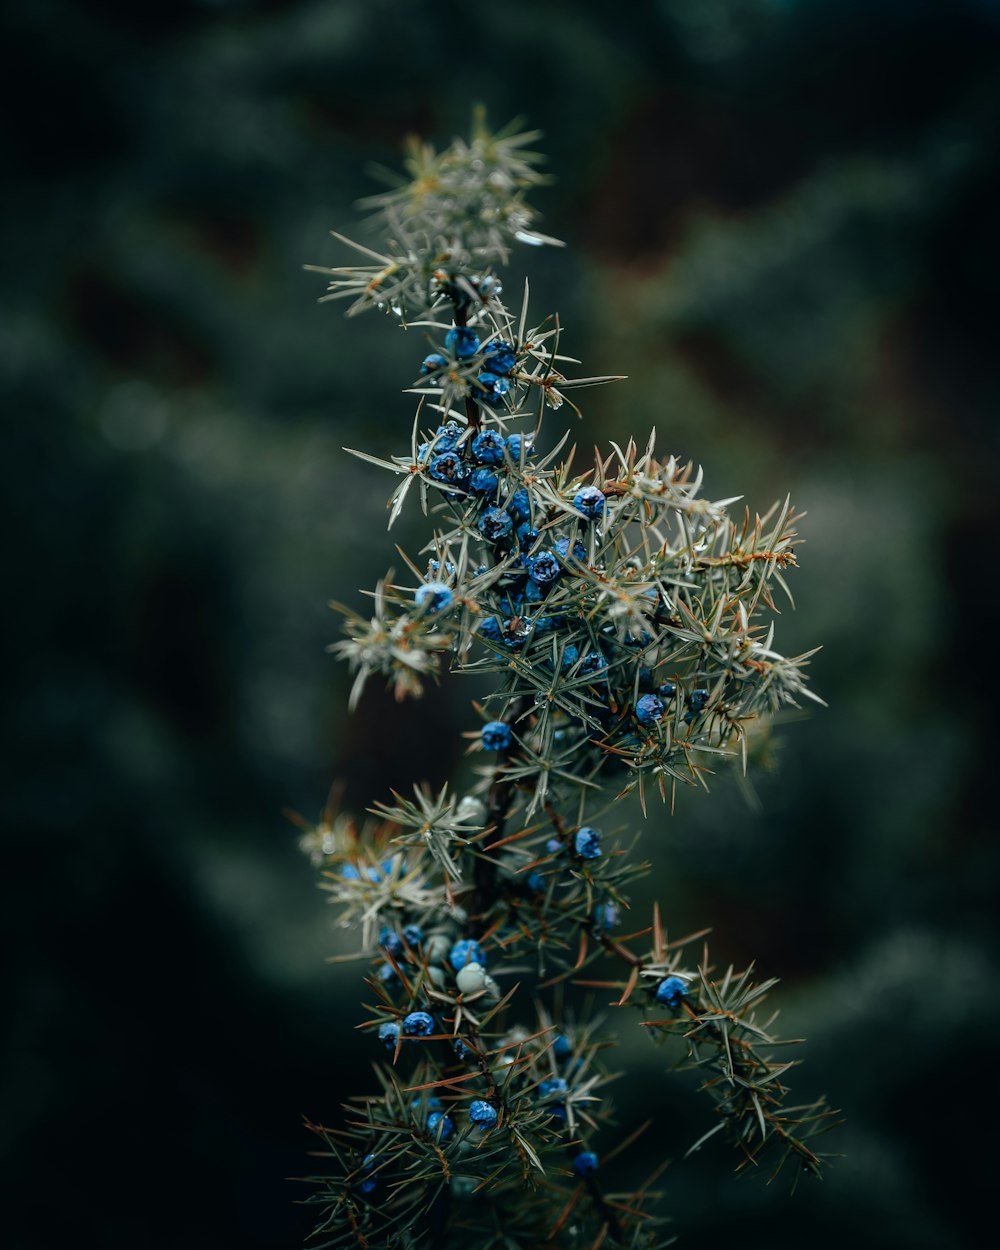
[782,218]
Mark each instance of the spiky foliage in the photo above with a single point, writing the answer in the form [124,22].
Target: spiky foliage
[620,627]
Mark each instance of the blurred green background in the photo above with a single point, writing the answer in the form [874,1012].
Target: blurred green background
[782,218]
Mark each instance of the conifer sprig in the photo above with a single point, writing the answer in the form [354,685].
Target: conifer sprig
[621,627]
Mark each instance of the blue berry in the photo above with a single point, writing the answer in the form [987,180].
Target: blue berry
[350,873]
[554,1085]
[667,690]
[460,1048]
[535,882]
[483,1114]
[570,656]
[449,467]
[526,535]
[434,596]
[500,356]
[587,842]
[432,362]
[418,1024]
[562,547]
[640,639]
[516,443]
[605,916]
[467,951]
[496,736]
[389,940]
[436,1119]
[387,975]
[413,935]
[553,846]
[670,991]
[493,388]
[649,709]
[446,436]
[585,1163]
[544,567]
[369,1164]
[589,501]
[519,504]
[594,663]
[487,447]
[533,592]
[645,677]
[495,524]
[462,342]
[488,287]
[697,699]
[545,624]
[490,629]
[515,632]
[562,1047]
[483,482]
[388,1034]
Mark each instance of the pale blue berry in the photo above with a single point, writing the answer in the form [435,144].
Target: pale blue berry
[482,1114]
[516,443]
[449,467]
[562,547]
[519,504]
[587,842]
[467,951]
[462,342]
[553,846]
[433,596]
[533,592]
[412,934]
[570,656]
[554,1085]
[496,736]
[433,362]
[490,629]
[670,991]
[649,710]
[350,873]
[589,502]
[605,916]
[493,390]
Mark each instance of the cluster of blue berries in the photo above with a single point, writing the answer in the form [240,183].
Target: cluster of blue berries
[498,360]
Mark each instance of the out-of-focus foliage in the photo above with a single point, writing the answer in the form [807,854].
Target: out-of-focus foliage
[782,228]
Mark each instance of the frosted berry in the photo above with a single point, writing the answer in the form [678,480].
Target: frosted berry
[553,846]
[437,948]
[482,1114]
[487,447]
[585,1163]
[587,843]
[589,502]
[500,356]
[449,467]
[483,482]
[388,1034]
[462,342]
[412,935]
[544,567]
[495,524]
[418,1024]
[670,991]
[471,979]
[434,596]
[440,1125]
[496,736]
[433,362]
[649,709]
[467,951]
[446,436]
